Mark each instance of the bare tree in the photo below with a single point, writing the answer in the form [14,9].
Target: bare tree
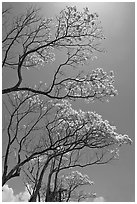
[42,126]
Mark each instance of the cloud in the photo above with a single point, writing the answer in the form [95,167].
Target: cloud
[23,196]
[8,195]
[99,199]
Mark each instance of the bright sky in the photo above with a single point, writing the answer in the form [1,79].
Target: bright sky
[114,182]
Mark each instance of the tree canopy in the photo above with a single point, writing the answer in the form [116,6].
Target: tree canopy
[45,135]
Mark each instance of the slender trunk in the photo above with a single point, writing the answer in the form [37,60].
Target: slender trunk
[4,179]
[48,193]
[38,197]
[60,196]
[33,197]
[49,197]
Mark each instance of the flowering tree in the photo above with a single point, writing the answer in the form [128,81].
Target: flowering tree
[57,188]
[53,128]
[69,185]
[45,135]
[77,34]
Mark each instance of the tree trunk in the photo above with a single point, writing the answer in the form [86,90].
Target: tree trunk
[33,197]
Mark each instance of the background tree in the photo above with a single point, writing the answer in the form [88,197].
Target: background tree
[40,127]
[58,186]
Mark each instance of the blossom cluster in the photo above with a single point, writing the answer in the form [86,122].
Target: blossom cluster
[91,124]
[33,100]
[39,59]
[97,85]
[71,182]
[75,178]
[78,24]
[79,32]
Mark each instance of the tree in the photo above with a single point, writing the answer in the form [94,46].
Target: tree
[52,129]
[76,33]
[40,131]
[70,185]
[57,188]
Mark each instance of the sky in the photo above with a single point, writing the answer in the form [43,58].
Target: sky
[114,182]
